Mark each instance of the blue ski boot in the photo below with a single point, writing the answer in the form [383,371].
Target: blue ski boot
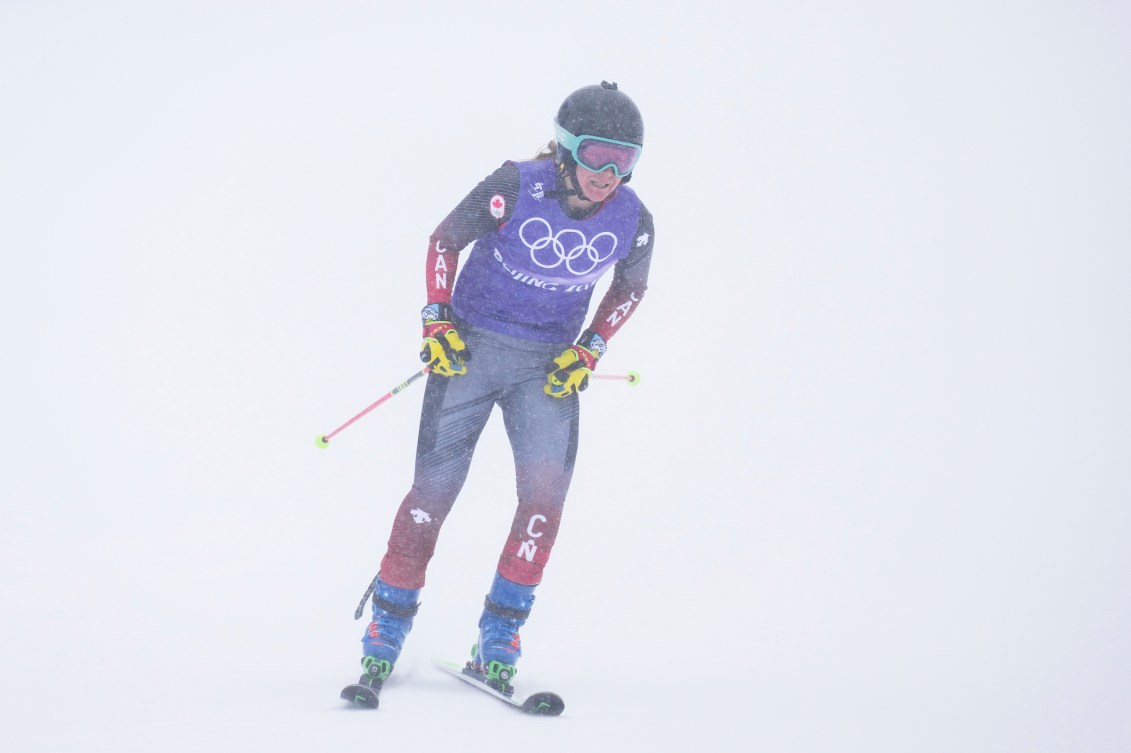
[504,611]
[393,611]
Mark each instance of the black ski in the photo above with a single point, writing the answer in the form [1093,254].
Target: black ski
[362,696]
[542,703]
[366,692]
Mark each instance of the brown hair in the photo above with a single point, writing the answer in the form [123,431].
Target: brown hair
[549,151]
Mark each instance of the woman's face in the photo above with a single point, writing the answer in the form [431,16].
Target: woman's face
[597,186]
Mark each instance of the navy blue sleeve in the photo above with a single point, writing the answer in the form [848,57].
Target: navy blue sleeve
[630,281]
[482,211]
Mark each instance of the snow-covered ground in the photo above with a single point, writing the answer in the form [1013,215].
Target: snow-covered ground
[872,493]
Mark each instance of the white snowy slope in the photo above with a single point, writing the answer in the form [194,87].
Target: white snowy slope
[871,494]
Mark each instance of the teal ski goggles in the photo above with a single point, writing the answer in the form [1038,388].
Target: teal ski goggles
[597,153]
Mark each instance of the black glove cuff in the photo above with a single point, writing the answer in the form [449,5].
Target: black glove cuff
[592,342]
[436,312]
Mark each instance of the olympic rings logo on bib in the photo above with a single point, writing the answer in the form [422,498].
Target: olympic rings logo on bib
[551,250]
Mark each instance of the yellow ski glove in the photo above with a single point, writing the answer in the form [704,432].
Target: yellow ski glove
[569,373]
[443,347]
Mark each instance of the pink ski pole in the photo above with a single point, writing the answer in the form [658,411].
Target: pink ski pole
[323,440]
[632,377]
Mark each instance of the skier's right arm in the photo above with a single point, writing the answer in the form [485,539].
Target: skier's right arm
[482,211]
[474,217]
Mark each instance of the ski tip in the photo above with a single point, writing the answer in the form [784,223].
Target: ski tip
[449,665]
[360,697]
[544,704]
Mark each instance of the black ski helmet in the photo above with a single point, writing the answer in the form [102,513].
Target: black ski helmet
[599,110]
[602,110]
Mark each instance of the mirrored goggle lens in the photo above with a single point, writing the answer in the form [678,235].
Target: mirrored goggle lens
[597,155]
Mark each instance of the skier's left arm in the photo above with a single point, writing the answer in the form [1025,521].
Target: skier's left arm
[630,281]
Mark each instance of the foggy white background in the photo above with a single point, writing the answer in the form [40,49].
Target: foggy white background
[871,494]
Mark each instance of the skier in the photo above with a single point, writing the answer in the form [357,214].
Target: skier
[506,333]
